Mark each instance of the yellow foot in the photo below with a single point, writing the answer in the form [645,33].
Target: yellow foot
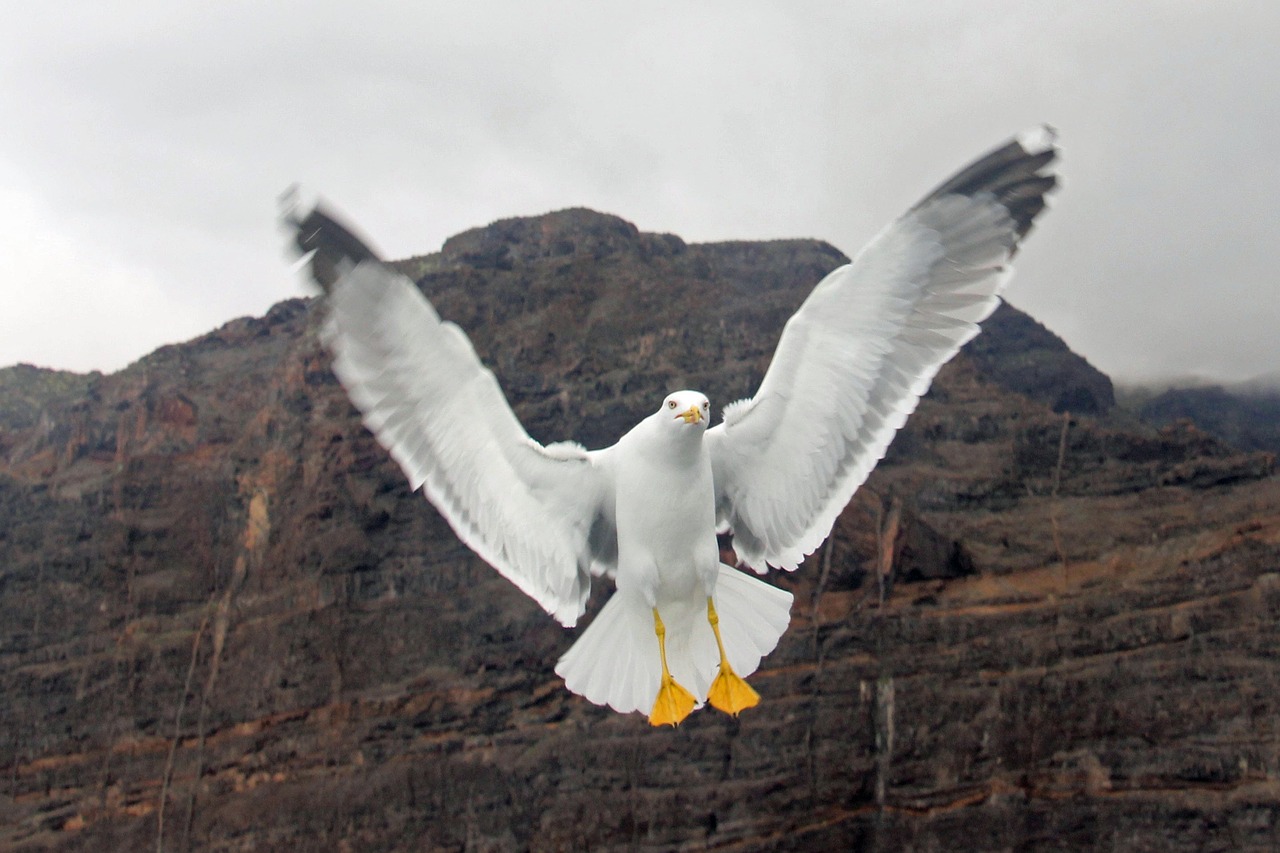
[730,693]
[673,704]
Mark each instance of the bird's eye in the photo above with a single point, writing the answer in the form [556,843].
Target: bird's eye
[705,404]
[671,404]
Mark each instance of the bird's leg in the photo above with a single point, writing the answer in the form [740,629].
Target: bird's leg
[674,703]
[728,692]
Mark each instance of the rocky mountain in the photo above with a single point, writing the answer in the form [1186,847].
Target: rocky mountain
[225,623]
[27,392]
[1247,417]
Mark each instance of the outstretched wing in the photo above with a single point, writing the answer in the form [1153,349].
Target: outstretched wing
[540,515]
[857,356]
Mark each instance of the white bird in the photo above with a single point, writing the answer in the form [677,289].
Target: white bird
[681,628]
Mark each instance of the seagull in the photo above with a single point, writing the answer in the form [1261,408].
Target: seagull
[682,629]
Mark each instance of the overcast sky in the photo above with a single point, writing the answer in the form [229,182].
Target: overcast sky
[144,145]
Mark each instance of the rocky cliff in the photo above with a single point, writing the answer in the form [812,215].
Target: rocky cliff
[225,623]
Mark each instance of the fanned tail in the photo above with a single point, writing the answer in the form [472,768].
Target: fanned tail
[616,662]
[753,617]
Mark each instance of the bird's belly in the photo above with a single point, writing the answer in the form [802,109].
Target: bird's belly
[679,548]
[668,546]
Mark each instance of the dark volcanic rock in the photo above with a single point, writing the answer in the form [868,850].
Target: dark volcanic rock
[1018,353]
[225,623]
[1248,419]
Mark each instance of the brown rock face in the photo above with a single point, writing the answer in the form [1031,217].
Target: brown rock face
[225,623]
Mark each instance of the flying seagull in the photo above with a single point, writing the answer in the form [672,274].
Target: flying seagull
[681,628]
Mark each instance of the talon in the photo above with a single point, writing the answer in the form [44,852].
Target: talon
[729,692]
[674,703]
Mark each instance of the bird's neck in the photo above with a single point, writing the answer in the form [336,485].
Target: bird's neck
[680,446]
[660,443]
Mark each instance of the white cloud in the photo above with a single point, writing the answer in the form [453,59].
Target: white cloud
[155,137]
[68,303]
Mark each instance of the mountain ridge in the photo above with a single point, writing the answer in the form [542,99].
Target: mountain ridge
[1245,414]
[227,622]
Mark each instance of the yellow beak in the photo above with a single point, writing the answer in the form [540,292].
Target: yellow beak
[692,416]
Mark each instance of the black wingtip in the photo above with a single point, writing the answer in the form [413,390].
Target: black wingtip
[333,246]
[1015,174]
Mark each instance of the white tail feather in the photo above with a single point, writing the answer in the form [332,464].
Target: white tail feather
[615,662]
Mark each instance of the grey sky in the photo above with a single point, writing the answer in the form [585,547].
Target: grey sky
[145,143]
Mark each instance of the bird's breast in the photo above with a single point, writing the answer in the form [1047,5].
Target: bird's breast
[666,518]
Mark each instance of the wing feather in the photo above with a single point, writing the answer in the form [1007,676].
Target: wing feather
[857,356]
[539,515]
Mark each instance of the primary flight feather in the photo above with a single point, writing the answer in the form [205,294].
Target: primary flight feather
[681,628]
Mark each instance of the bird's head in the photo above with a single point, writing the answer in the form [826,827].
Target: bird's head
[686,410]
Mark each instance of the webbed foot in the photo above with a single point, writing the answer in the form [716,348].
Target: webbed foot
[730,693]
[673,704]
